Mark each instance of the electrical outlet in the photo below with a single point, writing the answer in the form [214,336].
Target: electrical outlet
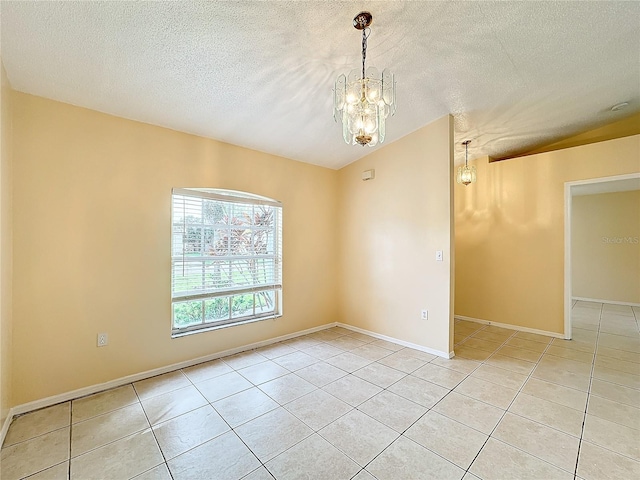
[424,315]
[103,339]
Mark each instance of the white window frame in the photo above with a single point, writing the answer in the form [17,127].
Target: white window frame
[203,293]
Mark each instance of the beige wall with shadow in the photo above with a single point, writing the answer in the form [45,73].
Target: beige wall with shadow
[510,231]
[92,203]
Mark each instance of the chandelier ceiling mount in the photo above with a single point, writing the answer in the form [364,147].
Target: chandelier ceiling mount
[362,20]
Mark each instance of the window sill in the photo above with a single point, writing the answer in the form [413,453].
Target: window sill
[226,325]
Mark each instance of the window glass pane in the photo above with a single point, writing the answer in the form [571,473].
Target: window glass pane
[242,305]
[208,240]
[193,241]
[242,214]
[240,241]
[187,313]
[263,216]
[217,275]
[178,209]
[265,302]
[192,210]
[240,274]
[187,277]
[271,243]
[215,213]
[216,309]
[263,242]
[176,240]
[217,242]
[263,271]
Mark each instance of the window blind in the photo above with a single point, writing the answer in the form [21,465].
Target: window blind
[225,244]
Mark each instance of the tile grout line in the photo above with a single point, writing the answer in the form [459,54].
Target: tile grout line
[503,344]
[609,382]
[505,413]
[402,434]
[112,441]
[588,392]
[70,437]
[483,362]
[152,433]
[316,432]
[356,408]
[231,429]
[71,457]
[42,435]
[586,407]
[280,405]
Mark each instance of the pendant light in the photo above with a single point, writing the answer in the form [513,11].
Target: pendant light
[466,174]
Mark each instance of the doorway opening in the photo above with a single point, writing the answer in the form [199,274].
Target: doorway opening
[594,186]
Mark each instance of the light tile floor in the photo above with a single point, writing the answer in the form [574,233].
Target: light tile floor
[340,405]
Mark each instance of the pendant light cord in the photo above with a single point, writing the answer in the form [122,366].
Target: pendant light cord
[466,152]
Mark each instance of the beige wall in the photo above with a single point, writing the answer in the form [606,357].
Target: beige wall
[510,231]
[5,247]
[390,229]
[605,246]
[92,194]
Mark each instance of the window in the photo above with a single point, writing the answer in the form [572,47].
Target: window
[226,255]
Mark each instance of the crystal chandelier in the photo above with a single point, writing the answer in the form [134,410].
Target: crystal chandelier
[466,174]
[364,100]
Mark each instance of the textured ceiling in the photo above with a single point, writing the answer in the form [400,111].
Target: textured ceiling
[260,74]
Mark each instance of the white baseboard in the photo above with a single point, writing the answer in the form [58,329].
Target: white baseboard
[6,424]
[510,327]
[611,302]
[90,390]
[397,341]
